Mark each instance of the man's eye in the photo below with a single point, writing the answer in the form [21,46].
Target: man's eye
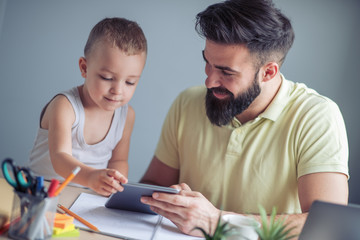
[226,73]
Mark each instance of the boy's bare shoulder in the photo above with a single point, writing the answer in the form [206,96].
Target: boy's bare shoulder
[58,107]
[60,103]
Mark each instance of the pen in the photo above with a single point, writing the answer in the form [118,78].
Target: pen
[83,221]
[67,180]
[39,184]
[52,188]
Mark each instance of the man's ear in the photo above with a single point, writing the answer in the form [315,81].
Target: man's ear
[271,69]
[83,66]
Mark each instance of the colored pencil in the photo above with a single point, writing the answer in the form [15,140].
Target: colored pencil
[67,180]
[80,219]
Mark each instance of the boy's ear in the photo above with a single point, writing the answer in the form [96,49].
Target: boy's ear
[83,66]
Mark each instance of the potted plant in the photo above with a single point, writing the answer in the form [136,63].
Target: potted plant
[273,229]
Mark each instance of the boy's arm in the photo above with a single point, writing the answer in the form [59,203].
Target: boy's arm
[120,154]
[58,119]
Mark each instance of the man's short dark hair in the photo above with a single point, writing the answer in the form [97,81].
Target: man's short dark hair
[260,26]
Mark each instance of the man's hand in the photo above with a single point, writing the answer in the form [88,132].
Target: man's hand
[186,210]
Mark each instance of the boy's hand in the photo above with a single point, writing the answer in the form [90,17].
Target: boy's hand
[106,181]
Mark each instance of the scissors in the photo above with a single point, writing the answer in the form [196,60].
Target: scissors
[18,177]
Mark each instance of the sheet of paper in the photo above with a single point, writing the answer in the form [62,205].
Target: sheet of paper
[123,223]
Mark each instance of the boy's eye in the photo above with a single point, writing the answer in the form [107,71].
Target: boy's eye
[130,83]
[105,78]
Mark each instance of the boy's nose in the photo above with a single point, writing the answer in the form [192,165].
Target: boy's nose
[117,88]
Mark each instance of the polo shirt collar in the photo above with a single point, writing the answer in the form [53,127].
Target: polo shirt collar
[279,102]
[275,108]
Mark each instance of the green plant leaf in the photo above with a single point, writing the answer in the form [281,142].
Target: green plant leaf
[264,221]
[222,231]
[203,232]
[272,228]
[272,217]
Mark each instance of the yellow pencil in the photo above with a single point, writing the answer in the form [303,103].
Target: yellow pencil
[80,219]
[67,180]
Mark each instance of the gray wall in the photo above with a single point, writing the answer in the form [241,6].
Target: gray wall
[41,41]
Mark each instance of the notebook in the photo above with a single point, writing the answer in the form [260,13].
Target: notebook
[124,224]
[329,221]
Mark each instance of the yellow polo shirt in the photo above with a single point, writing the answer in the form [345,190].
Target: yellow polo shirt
[240,166]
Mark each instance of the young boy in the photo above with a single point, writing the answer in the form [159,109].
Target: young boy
[90,125]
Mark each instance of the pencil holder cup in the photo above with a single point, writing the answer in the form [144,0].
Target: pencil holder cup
[32,217]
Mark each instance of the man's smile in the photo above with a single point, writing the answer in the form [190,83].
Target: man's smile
[220,93]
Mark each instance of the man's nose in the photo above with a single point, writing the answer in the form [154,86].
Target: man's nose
[212,80]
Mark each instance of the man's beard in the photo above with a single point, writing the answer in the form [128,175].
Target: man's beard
[221,112]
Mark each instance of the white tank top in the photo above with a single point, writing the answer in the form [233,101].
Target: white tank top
[97,155]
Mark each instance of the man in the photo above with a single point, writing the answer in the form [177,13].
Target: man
[250,137]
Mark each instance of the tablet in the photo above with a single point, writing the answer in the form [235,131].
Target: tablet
[129,199]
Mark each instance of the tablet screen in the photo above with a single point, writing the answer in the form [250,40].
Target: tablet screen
[129,199]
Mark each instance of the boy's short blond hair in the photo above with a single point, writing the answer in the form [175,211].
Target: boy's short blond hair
[122,33]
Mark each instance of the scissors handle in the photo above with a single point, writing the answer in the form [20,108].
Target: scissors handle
[5,169]
[21,178]
[24,177]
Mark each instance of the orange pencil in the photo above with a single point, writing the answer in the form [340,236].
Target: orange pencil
[67,180]
[80,219]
